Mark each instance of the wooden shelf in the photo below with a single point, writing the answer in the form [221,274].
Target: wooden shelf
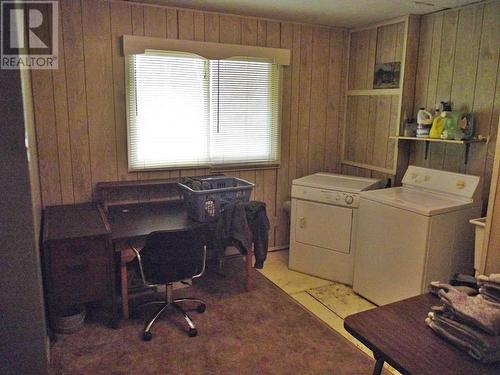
[374,92]
[467,143]
[134,183]
[439,140]
[152,182]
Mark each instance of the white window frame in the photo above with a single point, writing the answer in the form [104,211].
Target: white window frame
[248,164]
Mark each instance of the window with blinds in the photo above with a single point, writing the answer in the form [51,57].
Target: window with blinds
[184,111]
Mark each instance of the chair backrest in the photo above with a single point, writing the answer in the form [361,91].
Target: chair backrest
[175,255]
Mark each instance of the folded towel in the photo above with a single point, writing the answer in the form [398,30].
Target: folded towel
[490,294]
[476,310]
[493,278]
[436,286]
[490,285]
[479,345]
[449,313]
[463,279]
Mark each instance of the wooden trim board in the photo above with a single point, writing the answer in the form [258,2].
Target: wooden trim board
[380,24]
[216,51]
[475,140]
[373,92]
[490,259]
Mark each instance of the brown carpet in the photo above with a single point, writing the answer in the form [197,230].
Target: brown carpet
[262,332]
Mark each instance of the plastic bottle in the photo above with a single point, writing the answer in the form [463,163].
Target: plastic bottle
[448,129]
[437,124]
[424,121]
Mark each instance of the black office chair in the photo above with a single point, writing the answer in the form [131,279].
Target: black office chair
[168,257]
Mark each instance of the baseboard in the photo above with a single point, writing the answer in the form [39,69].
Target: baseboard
[279,248]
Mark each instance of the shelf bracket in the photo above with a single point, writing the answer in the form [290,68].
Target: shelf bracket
[467,148]
[426,149]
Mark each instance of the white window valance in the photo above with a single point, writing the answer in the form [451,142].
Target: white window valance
[134,45]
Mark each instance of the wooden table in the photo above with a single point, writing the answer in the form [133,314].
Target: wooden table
[131,223]
[397,334]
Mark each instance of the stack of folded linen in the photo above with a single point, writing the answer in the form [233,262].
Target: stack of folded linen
[469,320]
[489,287]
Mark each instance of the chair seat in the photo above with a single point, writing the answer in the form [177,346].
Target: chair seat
[172,256]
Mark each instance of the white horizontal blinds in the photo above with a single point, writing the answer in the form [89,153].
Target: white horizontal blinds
[184,110]
[244,101]
[168,111]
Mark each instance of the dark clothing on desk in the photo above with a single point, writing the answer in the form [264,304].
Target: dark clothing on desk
[240,223]
[259,225]
[232,227]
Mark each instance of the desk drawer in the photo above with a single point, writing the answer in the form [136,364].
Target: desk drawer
[79,270]
[66,256]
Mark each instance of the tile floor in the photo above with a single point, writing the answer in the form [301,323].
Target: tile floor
[329,301]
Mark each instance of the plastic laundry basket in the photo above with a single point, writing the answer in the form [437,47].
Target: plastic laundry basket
[206,205]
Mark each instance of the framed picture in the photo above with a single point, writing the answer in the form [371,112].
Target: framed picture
[387,75]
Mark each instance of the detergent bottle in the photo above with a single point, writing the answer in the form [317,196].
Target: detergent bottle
[450,129]
[437,124]
[424,121]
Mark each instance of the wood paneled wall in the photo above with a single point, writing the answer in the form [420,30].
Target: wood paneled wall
[372,46]
[372,115]
[458,61]
[80,108]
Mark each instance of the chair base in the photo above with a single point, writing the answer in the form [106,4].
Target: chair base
[173,303]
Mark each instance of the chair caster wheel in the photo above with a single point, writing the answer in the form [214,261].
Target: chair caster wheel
[201,308]
[147,336]
[192,332]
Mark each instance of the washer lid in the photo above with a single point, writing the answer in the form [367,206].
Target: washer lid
[332,181]
[418,201]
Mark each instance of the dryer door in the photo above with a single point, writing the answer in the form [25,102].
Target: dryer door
[323,225]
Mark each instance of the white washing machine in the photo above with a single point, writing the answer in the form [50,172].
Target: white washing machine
[411,235]
[323,217]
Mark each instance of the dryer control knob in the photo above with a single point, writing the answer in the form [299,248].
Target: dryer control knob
[349,199]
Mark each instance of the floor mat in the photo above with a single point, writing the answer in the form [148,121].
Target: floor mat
[340,299]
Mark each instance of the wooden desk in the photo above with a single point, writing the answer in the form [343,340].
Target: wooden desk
[77,248]
[397,334]
[131,223]
[135,221]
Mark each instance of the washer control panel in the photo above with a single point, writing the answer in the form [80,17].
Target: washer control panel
[338,198]
[461,185]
